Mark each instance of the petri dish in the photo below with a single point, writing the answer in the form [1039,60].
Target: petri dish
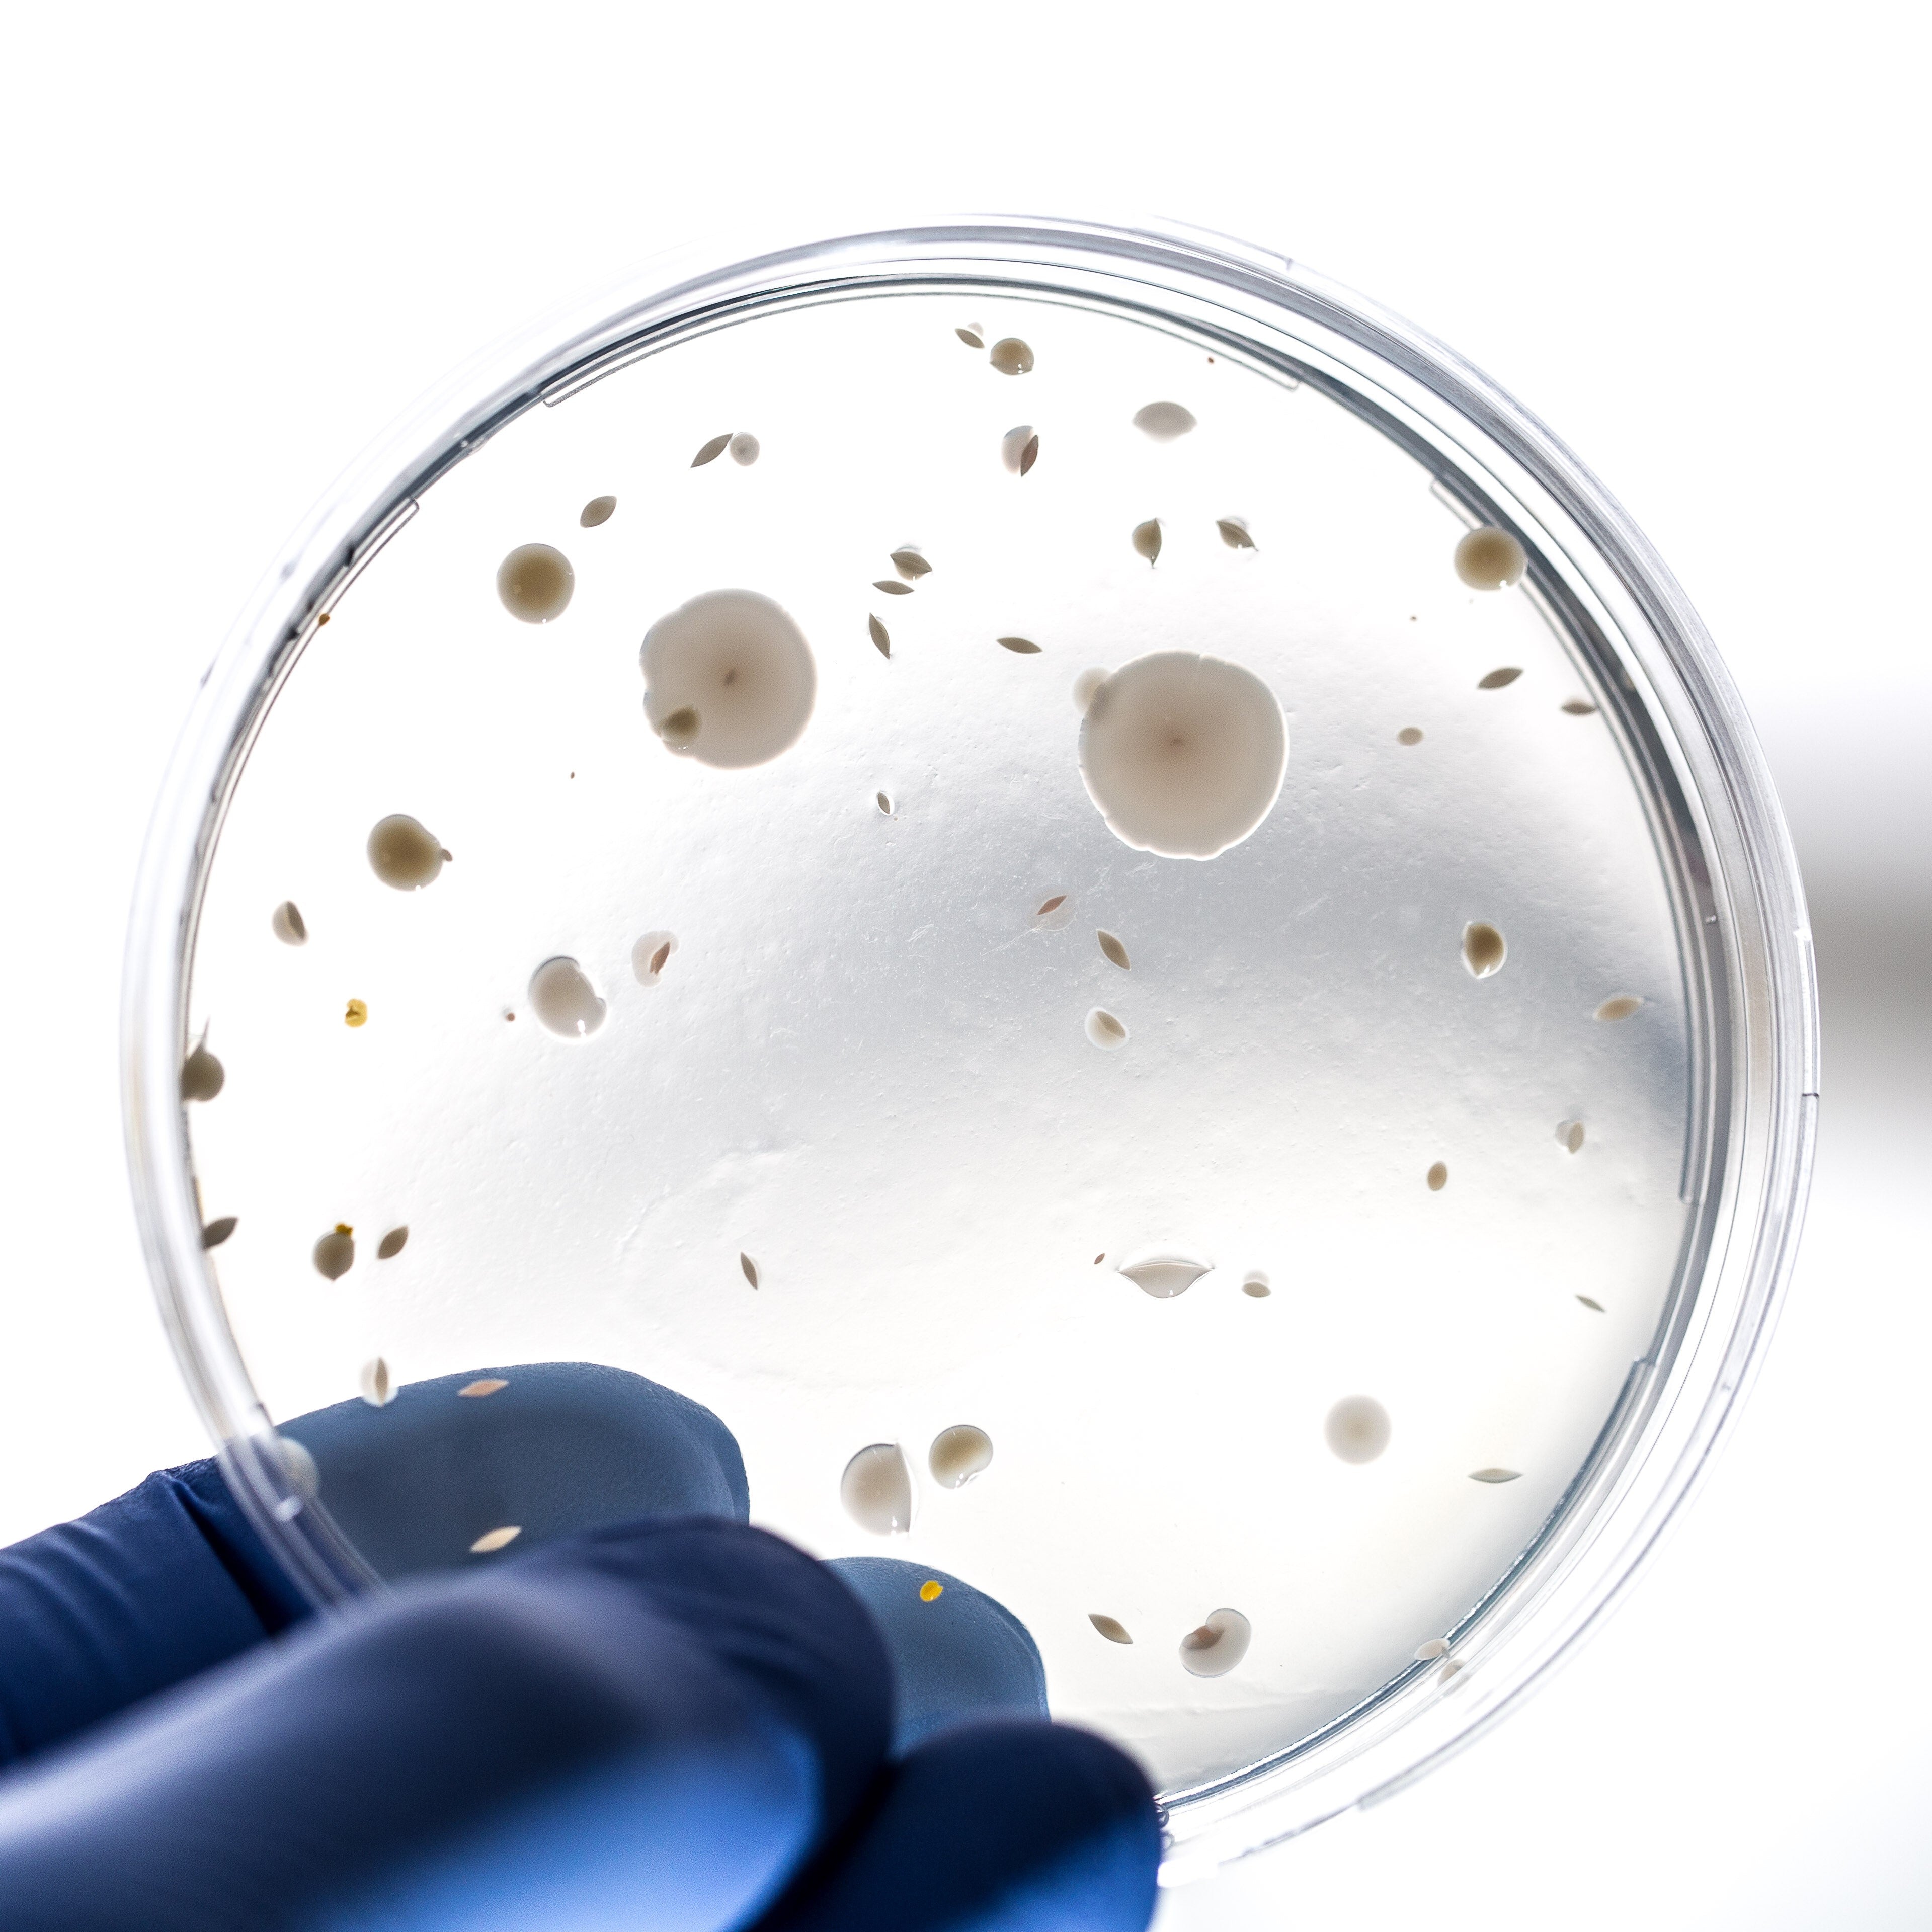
[1067,874]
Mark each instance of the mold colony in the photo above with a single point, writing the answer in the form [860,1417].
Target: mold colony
[404,854]
[1170,770]
[536,582]
[877,1489]
[1183,754]
[729,678]
[562,998]
[1217,1644]
[958,1454]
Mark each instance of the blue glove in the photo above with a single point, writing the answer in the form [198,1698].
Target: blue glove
[679,1722]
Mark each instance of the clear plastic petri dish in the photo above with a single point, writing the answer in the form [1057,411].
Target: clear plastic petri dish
[1068,875]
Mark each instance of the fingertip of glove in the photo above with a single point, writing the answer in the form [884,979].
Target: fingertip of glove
[957,1654]
[1002,1822]
[553,1447]
[777,1619]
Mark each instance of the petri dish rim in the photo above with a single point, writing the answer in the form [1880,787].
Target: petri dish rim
[1744,939]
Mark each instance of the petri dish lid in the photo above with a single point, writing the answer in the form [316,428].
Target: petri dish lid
[1072,911]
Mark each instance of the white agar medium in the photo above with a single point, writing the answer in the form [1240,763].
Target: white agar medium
[1114,977]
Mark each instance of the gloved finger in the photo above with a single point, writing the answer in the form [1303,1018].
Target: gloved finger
[1007,1825]
[957,1654]
[171,1579]
[545,1449]
[155,1587]
[648,1728]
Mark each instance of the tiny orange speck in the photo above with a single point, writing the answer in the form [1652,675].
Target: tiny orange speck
[357,1014]
[931,1592]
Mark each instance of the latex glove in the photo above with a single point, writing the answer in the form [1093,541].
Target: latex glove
[681,1722]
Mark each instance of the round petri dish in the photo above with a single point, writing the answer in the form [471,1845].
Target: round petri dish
[1071,877]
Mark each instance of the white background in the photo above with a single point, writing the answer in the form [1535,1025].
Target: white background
[238,240]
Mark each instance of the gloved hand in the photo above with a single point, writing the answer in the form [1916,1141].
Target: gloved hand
[675,1724]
